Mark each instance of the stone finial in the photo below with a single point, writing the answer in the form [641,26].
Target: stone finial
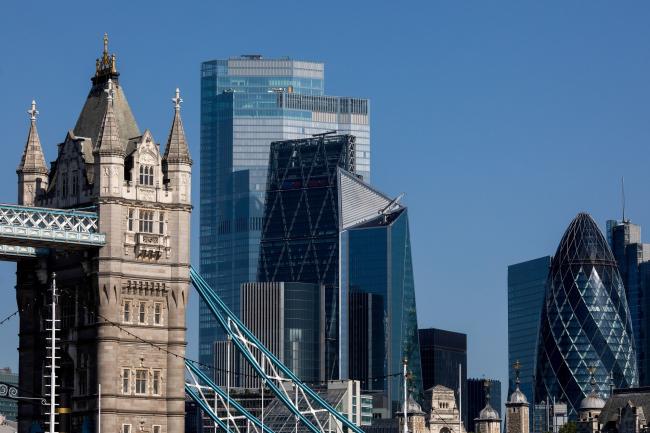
[177,100]
[33,112]
[110,91]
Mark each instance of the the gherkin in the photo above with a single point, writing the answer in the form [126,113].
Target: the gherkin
[585,322]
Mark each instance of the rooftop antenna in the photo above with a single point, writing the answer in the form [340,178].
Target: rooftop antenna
[623,196]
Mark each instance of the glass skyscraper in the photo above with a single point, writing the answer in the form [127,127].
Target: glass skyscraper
[300,229]
[585,321]
[247,103]
[375,259]
[630,254]
[526,291]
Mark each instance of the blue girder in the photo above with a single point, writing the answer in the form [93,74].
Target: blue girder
[224,316]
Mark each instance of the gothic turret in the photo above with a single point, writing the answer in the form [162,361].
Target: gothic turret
[108,151]
[32,171]
[177,162]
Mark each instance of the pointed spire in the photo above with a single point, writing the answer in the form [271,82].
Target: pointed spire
[33,160]
[108,139]
[177,150]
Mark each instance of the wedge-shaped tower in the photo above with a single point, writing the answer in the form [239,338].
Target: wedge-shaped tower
[377,291]
[585,321]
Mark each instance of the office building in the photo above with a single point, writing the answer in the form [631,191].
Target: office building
[375,258]
[630,254]
[442,353]
[549,416]
[8,407]
[286,318]
[479,393]
[585,321]
[247,103]
[300,237]
[526,290]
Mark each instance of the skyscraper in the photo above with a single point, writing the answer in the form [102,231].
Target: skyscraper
[286,319]
[247,103]
[630,253]
[300,237]
[441,353]
[526,289]
[375,258]
[585,321]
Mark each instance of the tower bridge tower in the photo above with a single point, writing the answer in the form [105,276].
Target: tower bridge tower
[133,289]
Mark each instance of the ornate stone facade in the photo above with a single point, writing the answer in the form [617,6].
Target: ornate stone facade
[122,306]
[441,414]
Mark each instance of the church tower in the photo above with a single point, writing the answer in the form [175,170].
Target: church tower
[517,417]
[122,305]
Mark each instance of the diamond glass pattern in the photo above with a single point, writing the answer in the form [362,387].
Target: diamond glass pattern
[585,321]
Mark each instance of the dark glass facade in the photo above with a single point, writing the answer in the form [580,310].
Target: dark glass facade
[246,103]
[526,293]
[376,260]
[286,318]
[441,352]
[300,229]
[630,254]
[476,399]
[585,321]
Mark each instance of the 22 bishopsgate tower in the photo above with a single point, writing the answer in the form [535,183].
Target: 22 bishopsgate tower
[247,103]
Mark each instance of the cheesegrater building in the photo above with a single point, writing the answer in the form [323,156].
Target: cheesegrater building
[247,103]
[585,322]
[375,264]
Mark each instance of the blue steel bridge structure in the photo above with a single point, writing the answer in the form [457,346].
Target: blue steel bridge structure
[29,232]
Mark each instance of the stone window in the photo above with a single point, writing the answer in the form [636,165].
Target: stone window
[146,221]
[75,183]
[126,316]
[155,384]
[156,429]
[157,313]
[126,381]
[126,428]
[142,313]
[141,382]
[64,185]
[146,175]
[130,218]
[161,223]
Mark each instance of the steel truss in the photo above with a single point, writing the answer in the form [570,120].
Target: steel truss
[34,226]
[305,404]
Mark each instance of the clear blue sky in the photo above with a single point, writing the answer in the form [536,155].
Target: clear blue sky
[500,120]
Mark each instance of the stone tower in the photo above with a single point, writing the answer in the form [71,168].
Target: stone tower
[488,420]
[517,418]
[122,306]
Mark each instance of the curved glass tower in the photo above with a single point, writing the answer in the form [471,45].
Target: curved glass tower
[585,321]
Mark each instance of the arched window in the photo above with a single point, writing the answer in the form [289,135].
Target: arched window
[146,175]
